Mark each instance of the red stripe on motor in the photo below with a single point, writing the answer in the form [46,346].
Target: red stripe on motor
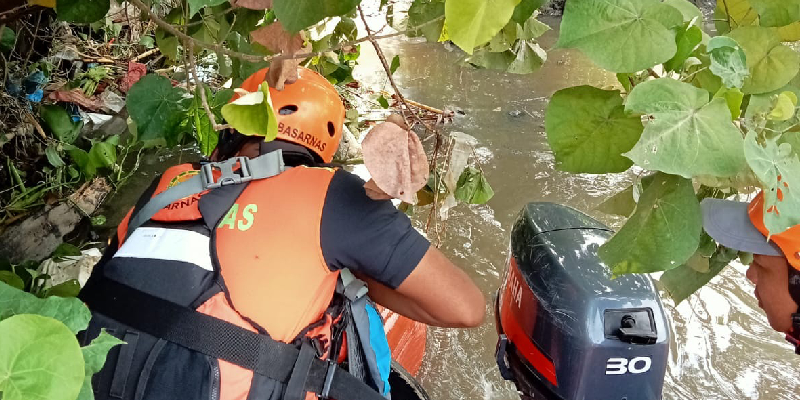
[514,331]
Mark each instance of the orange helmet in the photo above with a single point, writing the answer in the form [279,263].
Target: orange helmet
[309,111]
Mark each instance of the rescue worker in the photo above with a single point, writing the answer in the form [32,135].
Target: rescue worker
[775,270]
[227,280]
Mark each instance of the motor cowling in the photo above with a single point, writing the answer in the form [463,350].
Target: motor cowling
[569,331]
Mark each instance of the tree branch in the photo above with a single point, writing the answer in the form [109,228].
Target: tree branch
[388,71]
[255,58]
[199,84]
[186,38]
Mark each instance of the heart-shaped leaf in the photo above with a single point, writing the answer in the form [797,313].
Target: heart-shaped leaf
[772,65]
[688,135]
[252,114]
[471,23]
[40,358]
[396,160]
[662,233]
[588,130]
[621,35]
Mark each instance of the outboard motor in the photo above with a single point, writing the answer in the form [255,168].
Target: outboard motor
[568,331]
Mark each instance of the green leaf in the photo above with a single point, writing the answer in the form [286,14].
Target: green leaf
[687,40]
[504,39]
[383,102]
[731,14]
[296,15]
[621,35]
[588,130]
[784,107]
[68,288]
[252,114]
[98,220]
[532,29]
[471,23]
[12,280]
[688,135]
[662,233]
[395,64]
[66,250]
[728,61]
[103,154]
[7,39]
[792,139]
[420,15]
[688,10]
[70,311]
[196,5]
[147,41]
[472,187]
[624,203]
[527,59]
[60,123]
[167,44]
[82,11]
[155,106]
[733,97]
[777,12]
[81,158]
[95,357]
[524,10]
[51,152]
[681,282]
[39,359]
[776,166]
[772,64]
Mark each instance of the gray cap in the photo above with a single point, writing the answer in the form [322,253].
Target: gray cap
[728,223]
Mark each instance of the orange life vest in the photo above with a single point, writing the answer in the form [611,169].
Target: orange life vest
[269,258]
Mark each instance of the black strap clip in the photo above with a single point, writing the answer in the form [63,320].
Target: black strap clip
[296,386]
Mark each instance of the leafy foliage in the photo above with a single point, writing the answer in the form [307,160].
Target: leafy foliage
[688,135]
[156,107]
[742,138]
[621,35]
[471,23]
[472,187]
[82,11]
[39,359]
[662,233]
[589,131]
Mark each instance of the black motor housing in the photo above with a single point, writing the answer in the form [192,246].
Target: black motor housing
[568,331]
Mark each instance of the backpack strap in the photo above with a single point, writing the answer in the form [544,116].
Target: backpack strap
[261,167]
[360,354]
[220,339]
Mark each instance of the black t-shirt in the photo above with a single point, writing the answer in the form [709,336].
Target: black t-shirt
[367,236]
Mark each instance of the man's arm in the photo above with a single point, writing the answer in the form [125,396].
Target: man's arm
[437,293]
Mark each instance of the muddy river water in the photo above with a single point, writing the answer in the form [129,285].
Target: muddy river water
[722,346]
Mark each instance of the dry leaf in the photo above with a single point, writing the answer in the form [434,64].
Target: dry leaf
[253,4]
[135,72]
[78,97]
[374,192]
[396,160]
[279,41]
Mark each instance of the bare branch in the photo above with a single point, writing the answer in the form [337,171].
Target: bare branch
[200,87]
[388,71]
